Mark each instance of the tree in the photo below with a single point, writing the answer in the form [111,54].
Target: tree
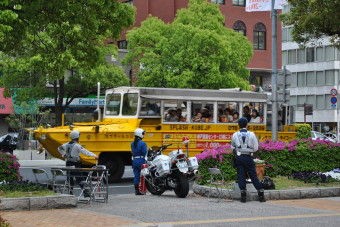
[42,40]
[313,19]
[194,51]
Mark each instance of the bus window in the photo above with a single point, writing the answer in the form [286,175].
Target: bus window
[202,112]
[112,104]
[256,111]
[226,111]
[175,111]
[130,102]
[150,107]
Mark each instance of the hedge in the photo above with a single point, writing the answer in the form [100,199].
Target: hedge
[281,158]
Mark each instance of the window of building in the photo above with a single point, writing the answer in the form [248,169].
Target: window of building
[319,54]
[310,54]
[293,80]
[291,56]
[320,78]
[284,34]
[221,2]
[259,41]
[311,78]
[122,44]
[329,53]
[301,56]
[310,99]
[239,2]
[330,77]
[289,34]
[293,100]
[301,99]
[284,57]
[338,51]
[240,27]
[301,81]
[320,102]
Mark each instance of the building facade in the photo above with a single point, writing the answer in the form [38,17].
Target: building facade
[256,26]
[313,74]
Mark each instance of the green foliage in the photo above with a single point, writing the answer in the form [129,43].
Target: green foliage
[41,41]
[22,186]
[194,51]
[9,168]
[308,156]
[313,19]
[303,131]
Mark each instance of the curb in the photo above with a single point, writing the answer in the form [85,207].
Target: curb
[38,203]
[305,193]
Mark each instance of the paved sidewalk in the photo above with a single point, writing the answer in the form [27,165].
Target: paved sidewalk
[64,218]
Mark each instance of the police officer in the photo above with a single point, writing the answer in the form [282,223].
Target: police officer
[71,152]
[245,144]
[139,150]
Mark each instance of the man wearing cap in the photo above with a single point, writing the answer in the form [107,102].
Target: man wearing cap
[71,151]
[245,144]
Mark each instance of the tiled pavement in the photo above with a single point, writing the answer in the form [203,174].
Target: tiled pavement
[63,218]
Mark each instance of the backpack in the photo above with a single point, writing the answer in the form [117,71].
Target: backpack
[69,148]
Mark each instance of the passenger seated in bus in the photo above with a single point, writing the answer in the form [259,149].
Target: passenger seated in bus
[255,117]
[171,116]
[197,118]
[246,113]
[229,113]
[236,116]
[206,116]
[223,118]
[180,117]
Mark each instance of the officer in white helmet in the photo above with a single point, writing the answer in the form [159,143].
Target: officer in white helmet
[139,150]
[71,151]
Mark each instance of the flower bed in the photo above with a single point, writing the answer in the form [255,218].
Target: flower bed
[304,155]
[9,168]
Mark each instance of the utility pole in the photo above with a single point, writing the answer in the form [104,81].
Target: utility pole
[274,72]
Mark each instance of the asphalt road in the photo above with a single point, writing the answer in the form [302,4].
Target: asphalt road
[168,210]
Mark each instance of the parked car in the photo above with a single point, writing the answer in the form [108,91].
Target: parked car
[319,136]
[331,135]
[9,142]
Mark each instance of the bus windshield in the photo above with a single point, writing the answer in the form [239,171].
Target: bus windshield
[112,104]
[130,103]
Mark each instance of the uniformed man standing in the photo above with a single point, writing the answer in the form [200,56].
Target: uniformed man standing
[71,152]
[139,150]
[245,144]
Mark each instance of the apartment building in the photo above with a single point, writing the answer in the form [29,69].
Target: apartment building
[313,80]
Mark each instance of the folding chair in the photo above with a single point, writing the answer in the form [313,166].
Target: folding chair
[59,181]
[41,177]
[216,180]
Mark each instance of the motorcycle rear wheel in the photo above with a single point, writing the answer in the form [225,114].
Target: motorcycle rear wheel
[153,190]
[182,188]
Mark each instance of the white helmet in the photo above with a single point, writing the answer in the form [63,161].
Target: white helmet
[74,134]
[139,132]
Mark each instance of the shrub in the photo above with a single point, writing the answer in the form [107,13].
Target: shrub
[9,168]
[303,131]
[22,186]
[282,158]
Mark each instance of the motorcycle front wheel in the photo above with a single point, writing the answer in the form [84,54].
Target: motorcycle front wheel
[182,188]
[154,190]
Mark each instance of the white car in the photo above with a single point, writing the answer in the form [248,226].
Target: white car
[319,136]
[330,135]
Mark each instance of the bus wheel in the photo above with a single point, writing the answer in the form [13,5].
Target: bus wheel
[116,167]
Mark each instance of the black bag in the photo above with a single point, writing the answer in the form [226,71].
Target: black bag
[233,159]
[268,183]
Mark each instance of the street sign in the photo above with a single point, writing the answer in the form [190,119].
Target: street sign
[334,100]
[334,92]
[333,106]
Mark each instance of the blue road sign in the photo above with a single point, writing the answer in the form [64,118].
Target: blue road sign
[334,100]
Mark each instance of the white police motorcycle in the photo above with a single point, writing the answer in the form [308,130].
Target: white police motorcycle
[168,172]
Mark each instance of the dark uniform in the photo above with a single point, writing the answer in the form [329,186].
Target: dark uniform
[245,144]
[139,150]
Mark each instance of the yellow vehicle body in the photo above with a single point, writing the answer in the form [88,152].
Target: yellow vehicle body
[111,138]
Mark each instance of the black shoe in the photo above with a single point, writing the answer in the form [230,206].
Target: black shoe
[137,192]
[262,199]
[243,196]
[87,193]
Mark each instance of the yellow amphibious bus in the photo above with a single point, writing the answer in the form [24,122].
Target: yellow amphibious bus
[208,118]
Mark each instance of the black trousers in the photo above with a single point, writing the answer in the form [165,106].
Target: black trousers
[74,177]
